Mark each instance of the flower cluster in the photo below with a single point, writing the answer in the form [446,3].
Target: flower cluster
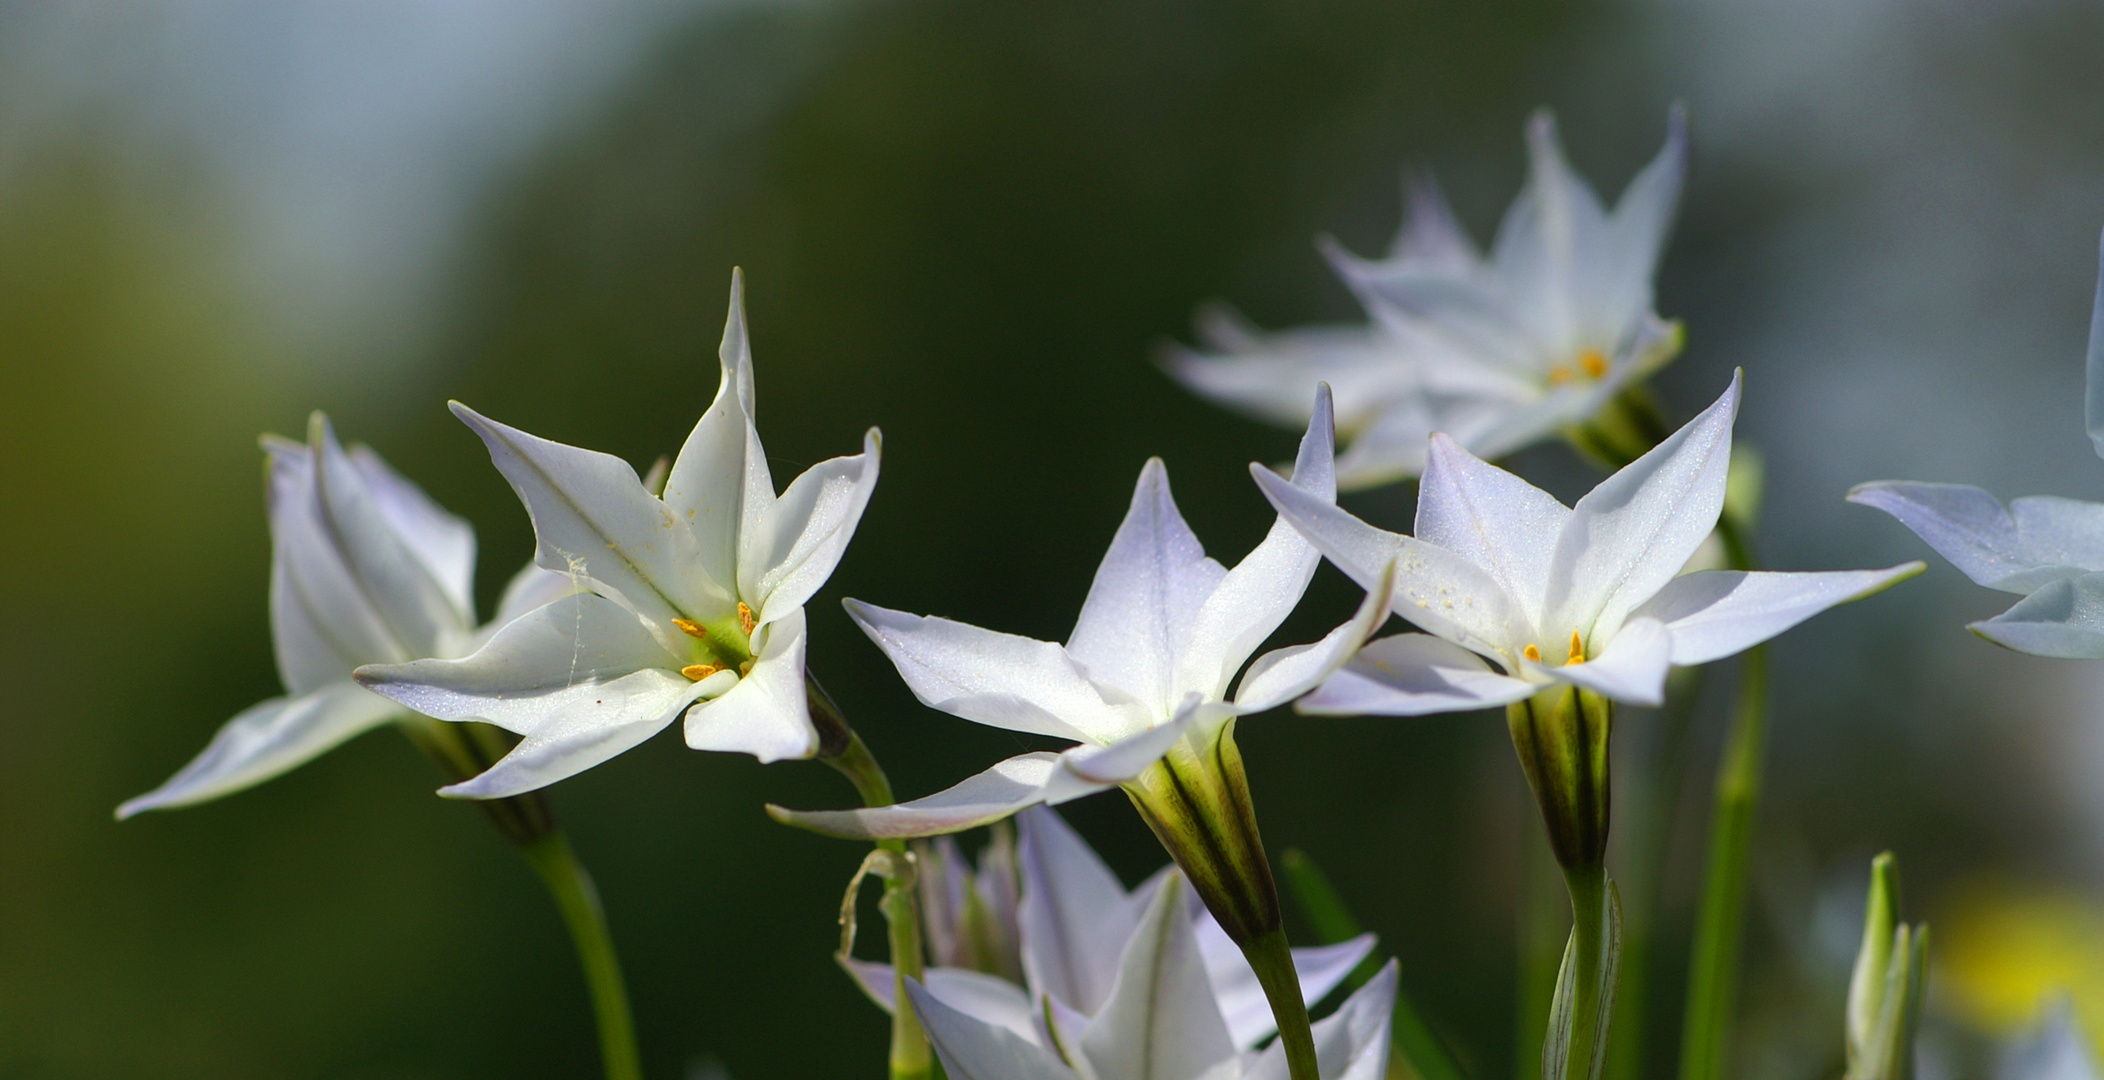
[678,597]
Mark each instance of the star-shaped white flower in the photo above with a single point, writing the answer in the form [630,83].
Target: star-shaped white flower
[1519,594]
[1499,353]
[1157,1012]
[696,601]
[365,568]
[1075,921]
[2048,549]
[1158,643]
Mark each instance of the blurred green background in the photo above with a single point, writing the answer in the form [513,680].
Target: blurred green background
[971,223]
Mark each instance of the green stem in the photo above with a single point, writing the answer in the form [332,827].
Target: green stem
[551,858]
[1586,976]
[844,750]
[1273,961]
[1713,970]
[1540,934]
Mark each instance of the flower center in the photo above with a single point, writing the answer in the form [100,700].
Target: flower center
[726,645]
[1577,654]
[1592,363]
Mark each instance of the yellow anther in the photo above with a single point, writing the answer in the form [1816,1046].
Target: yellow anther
[1577,650]
[698,672]
[690,628]
[745,620]
[1559,373]
[1592,363]
[1531,653]
[745,669]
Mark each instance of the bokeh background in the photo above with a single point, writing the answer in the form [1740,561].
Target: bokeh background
[973,223]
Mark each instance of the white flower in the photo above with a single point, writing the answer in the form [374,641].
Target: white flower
[1542,337]
[2057,1050]
[1075,921]
[1520,594]
[1159,640]
[696,602]
[1135,985]
[2048,549]
[365,568]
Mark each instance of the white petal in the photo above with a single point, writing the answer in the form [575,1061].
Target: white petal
[1074,915]
[2064,619]
[530,588]
[1351,1043]
[1432,240]
[1639,226]
[1281,675]
[1969,528]
[1434,588]
[323,622]
[1160,1021]
[1542,245]
[1126,759]
[972,1049]
[1712,614]
[589,725]
[1002,680]
[1272,376]
[986,998]
[2056,1051]
[443,544]
[592,517]
[1631,668]
[1492,518]
[1262,589]
[768,714]
[1241,996]
[2060,532]
[1413,675]
[2094,410]
[401,588]
[548,666]
[721,468]
[268,739]
[1144,602]
[999,792]
[802,535]
[1628,537]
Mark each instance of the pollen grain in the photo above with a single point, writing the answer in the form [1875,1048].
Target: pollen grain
[691,628]
[698,672]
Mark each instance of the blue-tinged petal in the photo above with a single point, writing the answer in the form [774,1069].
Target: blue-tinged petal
[442,543]
[1413,675]
[1968,527]
[1262,589]
[1434,588]
[592,517]
[1160,1021]
[721,468]
[1631,668]
[1712,614]
[268,739]
[1002,680]
[972,1049]
[2058,1050]
[1074,915]
[2057,532]
[987,998]
[1144,602]
[801,536]
[1629,536]
[1491,518]
[768,714]
[2064,619]
[1281,675]
[1351,1043]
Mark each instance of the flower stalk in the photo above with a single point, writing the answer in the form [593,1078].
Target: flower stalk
[840,747]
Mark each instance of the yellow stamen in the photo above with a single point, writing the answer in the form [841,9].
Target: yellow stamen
[698,672]
[690,628]
[1531,653]
[745,620]
[1577,650]
[1559,373]
[745,669]
[1592,363]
